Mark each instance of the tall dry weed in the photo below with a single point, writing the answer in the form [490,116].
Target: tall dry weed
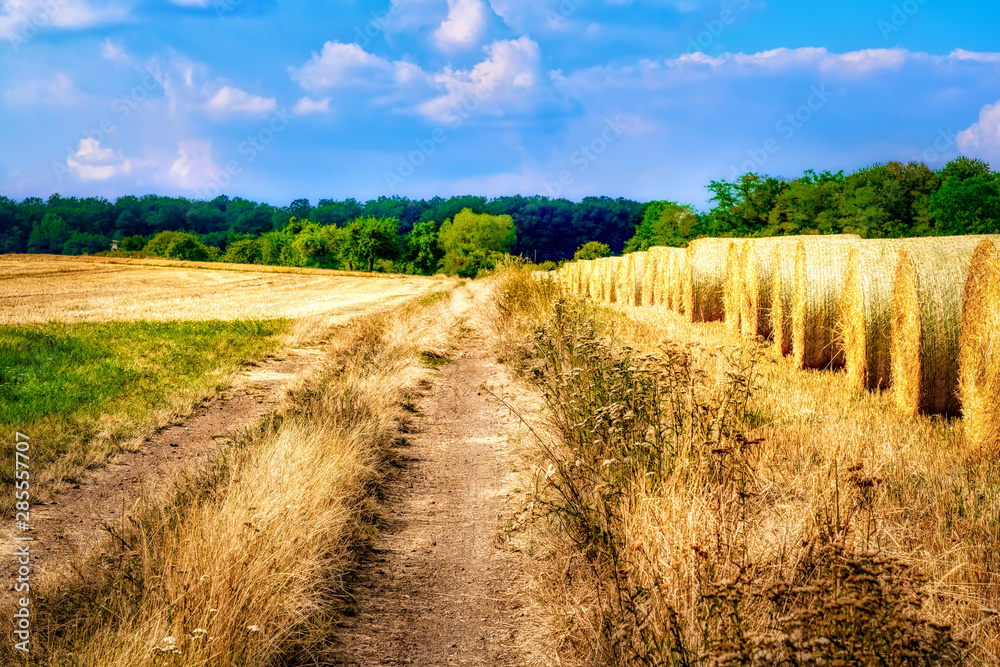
[674,543]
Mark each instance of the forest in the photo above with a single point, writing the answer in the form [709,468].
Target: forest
[468,235]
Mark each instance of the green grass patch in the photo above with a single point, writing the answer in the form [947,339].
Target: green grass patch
[82,391]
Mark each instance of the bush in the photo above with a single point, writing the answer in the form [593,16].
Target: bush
[132,243]
[592,250]
[247,251]
[179,245]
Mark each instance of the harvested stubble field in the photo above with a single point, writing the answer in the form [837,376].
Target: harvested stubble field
[42,288]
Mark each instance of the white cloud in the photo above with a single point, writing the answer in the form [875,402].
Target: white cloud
[982,57]
[860,62]
[982,139]
[56,92]
[22,19]
[464,26]
[229,100]
[342,64]
[307,105]
[94,163]
[194,167]
[509,77]
[115,53]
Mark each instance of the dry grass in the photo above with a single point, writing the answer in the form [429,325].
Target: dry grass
[979,372]
[820,475]
[44,288]
[242,563]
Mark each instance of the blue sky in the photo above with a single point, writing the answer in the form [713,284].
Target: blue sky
[648,99]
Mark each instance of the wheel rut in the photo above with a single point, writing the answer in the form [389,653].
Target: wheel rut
[436,589]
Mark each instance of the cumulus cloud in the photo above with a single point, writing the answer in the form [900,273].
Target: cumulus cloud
[340,64]
[464,26]
[508,78]
[982,139]
[307,106]
[229,100]
[95,163]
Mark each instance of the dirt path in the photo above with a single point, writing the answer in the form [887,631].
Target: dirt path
[436,590]
[73,521]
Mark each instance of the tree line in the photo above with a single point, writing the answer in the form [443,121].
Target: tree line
[467,235]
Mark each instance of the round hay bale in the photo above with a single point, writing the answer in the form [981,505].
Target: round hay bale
[979,372]
[611,279]
[926,324]
[816,302]
[703,279]
[596,280]
[630,271]
[756,287]
[866,320]
[656,258]
[677,272]
[731,286]
[586,271]
[782,293]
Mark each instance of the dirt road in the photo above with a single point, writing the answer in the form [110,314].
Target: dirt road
[436,590]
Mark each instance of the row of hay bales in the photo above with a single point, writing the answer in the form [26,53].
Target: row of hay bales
[918,316]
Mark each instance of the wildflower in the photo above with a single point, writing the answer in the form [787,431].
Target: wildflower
[198,633]
[608,462]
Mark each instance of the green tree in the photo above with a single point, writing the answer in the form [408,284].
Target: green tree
[49,235]
[422,251]
[592,250]
[85,243]
[665,223]
[369,239]
[743,207]
[473,243]
[807,205]
[968,202]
